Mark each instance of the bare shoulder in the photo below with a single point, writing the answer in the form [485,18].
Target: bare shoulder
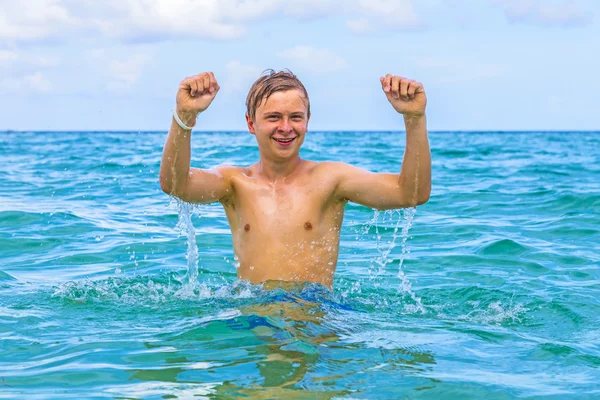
[327,166]
[334,169]
[228,175]
[332,173]
[238,176]
[225,169]
[230,172]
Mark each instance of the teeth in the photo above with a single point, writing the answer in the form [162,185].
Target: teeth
[284,140]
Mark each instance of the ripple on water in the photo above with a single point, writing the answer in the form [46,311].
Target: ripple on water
[477,304]
[504,247]
[6,277]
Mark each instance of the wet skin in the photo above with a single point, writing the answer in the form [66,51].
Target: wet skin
[288,230]
[285,213]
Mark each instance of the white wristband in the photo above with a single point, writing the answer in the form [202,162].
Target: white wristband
[180,122]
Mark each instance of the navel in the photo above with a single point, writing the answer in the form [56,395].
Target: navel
[308,226]
[247,227]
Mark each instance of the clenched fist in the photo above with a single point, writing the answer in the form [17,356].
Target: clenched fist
[405,95]
[195,94]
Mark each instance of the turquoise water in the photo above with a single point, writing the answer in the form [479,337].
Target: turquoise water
[493,292]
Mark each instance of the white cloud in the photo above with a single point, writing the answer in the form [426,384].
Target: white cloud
[44,61]
[127,19]
[21,72]
[7,57]
[239,77]
[127,72]
[33,19]
[545,12]
[36,82]
[147,20]
[97,53]
[383,14]
[456,70]
[155,20]
[161,19]
[20,60]
[312,59]
[314,8]
[359,26]
[393,13]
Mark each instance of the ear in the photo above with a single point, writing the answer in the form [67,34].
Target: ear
[250,124]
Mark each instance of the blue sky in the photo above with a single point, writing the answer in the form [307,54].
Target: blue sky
[485,64]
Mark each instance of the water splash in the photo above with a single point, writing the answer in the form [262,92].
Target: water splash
[489,308]
[371,222]
[408,215]
[187,227]
[159,290]
[378,265]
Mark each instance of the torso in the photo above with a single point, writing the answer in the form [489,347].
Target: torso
[285,231]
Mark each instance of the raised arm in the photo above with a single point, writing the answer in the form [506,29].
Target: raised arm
[412,186]
[193,185]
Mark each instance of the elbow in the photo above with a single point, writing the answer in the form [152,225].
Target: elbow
[171,189]
[413,203]
[167,186]
[416,199]
[413,195]
[423,195]
[424,198]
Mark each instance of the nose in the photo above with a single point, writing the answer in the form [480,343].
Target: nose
[284,125]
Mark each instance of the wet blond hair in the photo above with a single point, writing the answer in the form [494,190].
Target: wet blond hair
[269,83]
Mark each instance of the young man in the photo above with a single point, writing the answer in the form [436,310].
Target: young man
[285,213]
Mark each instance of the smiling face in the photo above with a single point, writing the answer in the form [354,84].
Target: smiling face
[280,124]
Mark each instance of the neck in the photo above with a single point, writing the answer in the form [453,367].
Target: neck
[274,170]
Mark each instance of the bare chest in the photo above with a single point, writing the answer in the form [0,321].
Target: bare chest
[281,210]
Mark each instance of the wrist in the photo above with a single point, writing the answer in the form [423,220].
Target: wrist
[413,118]
[187,117]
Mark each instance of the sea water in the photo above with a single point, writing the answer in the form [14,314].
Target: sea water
[110,289]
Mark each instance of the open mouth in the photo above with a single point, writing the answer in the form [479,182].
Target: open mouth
[285,142]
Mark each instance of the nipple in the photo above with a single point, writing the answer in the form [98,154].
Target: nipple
[308,226]
[247,227]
